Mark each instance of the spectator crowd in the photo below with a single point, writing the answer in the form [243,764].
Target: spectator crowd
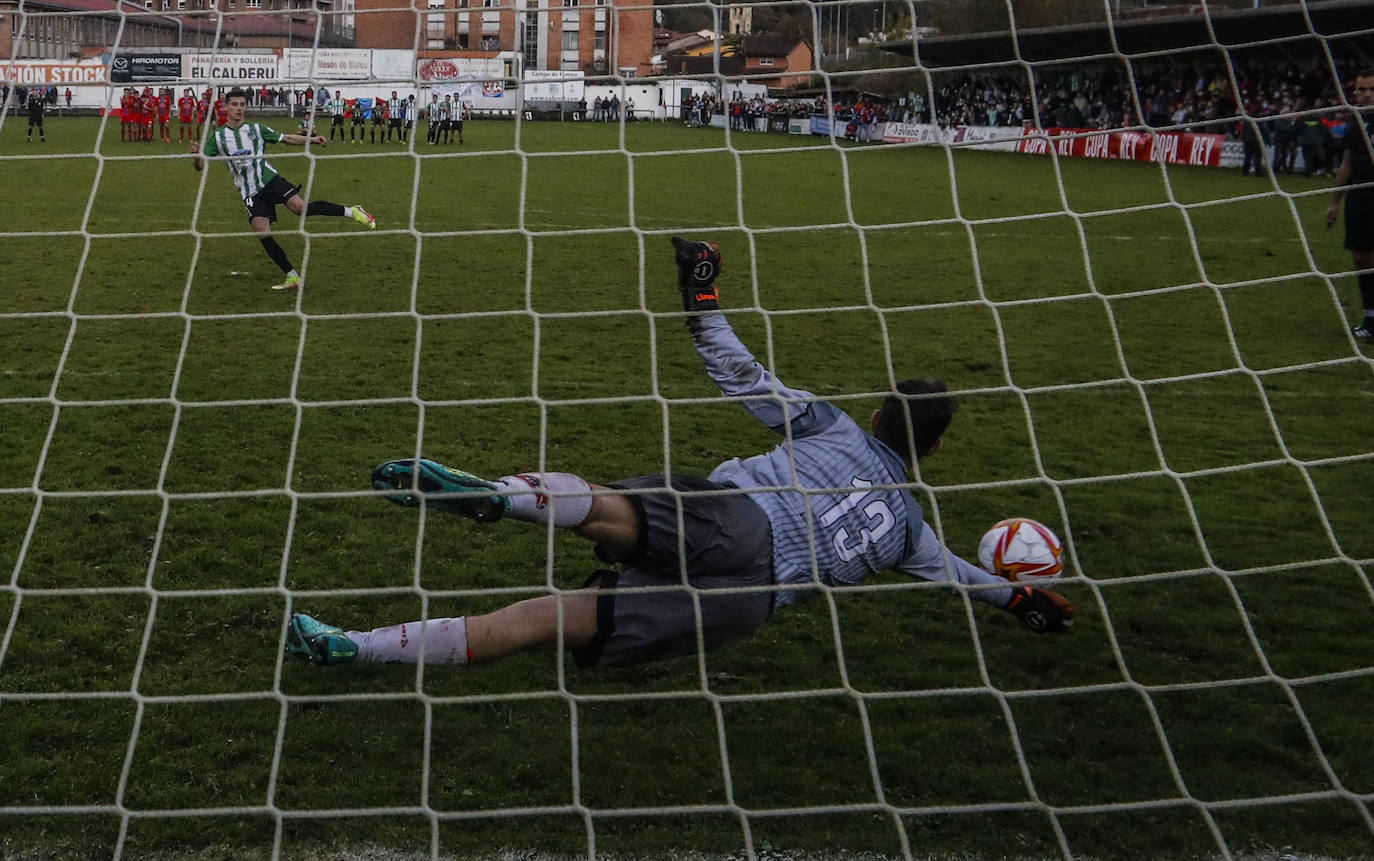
[1295,102]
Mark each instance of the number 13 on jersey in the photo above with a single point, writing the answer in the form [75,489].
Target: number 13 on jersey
[878,520]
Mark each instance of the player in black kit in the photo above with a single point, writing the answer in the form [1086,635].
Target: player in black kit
[36,106]
[1355,184]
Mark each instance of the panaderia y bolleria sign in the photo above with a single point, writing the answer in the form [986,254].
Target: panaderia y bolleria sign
[231,68]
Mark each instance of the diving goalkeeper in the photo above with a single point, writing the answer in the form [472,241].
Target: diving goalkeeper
[244,146]
[827,507]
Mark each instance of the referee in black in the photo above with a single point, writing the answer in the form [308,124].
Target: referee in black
[1357,170]
[36,105]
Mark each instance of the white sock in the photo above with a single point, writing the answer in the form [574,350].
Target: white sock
[348,212]
[446,642]
[562,497]
[294,273]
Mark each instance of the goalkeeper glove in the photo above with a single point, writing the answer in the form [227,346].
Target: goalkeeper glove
[698,264]
[1042,611]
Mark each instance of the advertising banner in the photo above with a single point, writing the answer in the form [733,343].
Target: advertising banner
[471,91]
[28,73]
[1168,147]
[328,64]
[462,69]
[554,85]
[1186,148]
[393,65]
[231,68]
[912,133]
[140,68]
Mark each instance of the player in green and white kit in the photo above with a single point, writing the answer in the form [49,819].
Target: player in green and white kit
[435,117]
[243,146]
[336,108]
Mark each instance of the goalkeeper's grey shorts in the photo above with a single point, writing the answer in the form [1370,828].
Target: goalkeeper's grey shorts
[668,600]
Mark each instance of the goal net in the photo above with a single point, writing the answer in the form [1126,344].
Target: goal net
[1104,225]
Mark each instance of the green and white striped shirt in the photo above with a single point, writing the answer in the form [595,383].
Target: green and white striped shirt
[245,148]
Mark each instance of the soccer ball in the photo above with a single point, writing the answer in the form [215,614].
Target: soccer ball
[1022,549]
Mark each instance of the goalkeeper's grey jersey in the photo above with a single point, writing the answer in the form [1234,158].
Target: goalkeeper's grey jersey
[836,497]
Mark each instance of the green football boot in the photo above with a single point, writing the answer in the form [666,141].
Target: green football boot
[317,642]
[444,488]
[363,217]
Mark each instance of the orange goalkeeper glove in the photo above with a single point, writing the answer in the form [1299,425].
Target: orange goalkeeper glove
[698,264]
[1042,611]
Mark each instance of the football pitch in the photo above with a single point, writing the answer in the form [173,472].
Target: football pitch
[1154,362]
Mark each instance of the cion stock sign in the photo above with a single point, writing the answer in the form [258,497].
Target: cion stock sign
[140,68]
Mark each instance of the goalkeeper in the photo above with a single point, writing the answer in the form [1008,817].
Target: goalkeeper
[738,555]
[244,147]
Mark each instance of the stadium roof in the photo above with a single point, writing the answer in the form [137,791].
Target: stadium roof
[1228,29]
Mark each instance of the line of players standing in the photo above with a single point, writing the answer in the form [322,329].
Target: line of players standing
[147,115]
[393,117]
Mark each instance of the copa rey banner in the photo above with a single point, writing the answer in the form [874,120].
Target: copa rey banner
[142,68]
[231,68]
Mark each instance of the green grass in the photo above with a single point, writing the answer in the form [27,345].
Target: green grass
[183,445]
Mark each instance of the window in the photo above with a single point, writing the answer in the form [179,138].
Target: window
[599,43]
[181,4]
[253,4]
[569,3]
[530,41]
[491,43]
[765,61]
[569,40]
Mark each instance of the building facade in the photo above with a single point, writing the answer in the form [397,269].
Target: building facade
[67,29]
[592,36]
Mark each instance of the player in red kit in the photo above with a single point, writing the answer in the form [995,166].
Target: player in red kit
[135,116]
[202,111]
[164,114]
[125,113]
[186,116]
[148,112]
[149,117]
[221,113]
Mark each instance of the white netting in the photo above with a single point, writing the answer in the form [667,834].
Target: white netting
[309,492]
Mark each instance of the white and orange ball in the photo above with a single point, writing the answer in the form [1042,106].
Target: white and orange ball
[1022,549]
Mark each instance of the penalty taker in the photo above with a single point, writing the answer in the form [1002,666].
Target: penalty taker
[244,146]
[711,570]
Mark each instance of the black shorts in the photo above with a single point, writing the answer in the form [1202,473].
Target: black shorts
[395,122]
[1359,220]
[264,203]
[727,544]
[35,120]
[338,120]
